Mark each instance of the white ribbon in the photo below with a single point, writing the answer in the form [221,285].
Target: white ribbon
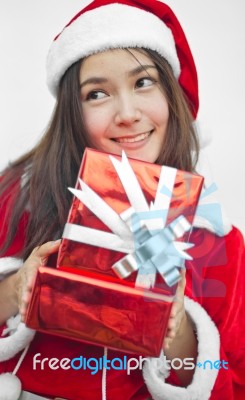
[130,183]
[152,218]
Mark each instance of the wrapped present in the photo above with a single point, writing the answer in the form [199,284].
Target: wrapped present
[99,311]
[128,218]
[118,265]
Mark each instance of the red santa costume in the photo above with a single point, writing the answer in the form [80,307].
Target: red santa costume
[215,278]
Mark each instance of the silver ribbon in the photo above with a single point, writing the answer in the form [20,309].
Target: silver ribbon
[155,251]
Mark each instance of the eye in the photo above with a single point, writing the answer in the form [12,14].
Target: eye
[96,95]
[144,82]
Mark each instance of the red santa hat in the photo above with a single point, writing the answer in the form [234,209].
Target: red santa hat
[107,24]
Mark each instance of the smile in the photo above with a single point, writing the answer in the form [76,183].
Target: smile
[133,139]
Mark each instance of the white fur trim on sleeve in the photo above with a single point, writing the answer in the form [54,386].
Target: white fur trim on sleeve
[9,265]
[203,379]
[210,214]
[20,337]
[204,223]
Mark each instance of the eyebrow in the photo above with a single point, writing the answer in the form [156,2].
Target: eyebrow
[141,68]
[93,80]
[134,72]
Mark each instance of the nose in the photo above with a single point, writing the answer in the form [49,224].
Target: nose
[127,110]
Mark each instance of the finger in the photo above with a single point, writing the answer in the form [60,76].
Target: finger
[166,343]
[182,281]
[179,294]
[29,271]
[31,278]
[171,324]
[46,249]
[23,308]
[176,307]
[170,334]
[25,300]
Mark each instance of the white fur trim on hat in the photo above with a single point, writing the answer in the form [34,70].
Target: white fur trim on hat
[8,265]
[108,27]
[203,379]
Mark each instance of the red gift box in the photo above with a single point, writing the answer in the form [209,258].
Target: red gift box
[99,173]
[97,311]
[99,306]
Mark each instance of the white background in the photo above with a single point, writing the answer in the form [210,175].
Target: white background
[216,32]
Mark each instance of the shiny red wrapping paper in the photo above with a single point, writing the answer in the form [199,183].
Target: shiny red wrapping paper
[108,314]
[89,303]
[98,172]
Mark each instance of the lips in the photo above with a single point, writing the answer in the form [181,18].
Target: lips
[133,139]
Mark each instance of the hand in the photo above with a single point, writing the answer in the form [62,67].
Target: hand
[177,314]
[25,277]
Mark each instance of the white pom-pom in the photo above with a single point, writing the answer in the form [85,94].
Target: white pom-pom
[10,387]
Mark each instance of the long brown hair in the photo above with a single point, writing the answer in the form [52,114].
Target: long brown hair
[52,166]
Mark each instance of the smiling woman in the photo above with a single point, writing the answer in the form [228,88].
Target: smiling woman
[120,86]
[124,106]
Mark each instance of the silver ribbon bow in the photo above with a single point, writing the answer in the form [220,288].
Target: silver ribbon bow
[155,250]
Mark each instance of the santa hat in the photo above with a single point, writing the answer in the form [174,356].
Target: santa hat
[106,24]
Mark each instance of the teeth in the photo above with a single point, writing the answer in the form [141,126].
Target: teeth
[138,138]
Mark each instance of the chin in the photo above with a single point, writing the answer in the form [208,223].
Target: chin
[141,157]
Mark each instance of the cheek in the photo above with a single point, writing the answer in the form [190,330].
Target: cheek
[158,110]
[95,122]
[162,111]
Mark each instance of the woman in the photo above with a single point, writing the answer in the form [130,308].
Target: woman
[119,86]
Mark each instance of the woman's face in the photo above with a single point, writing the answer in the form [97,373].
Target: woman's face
[124,107]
